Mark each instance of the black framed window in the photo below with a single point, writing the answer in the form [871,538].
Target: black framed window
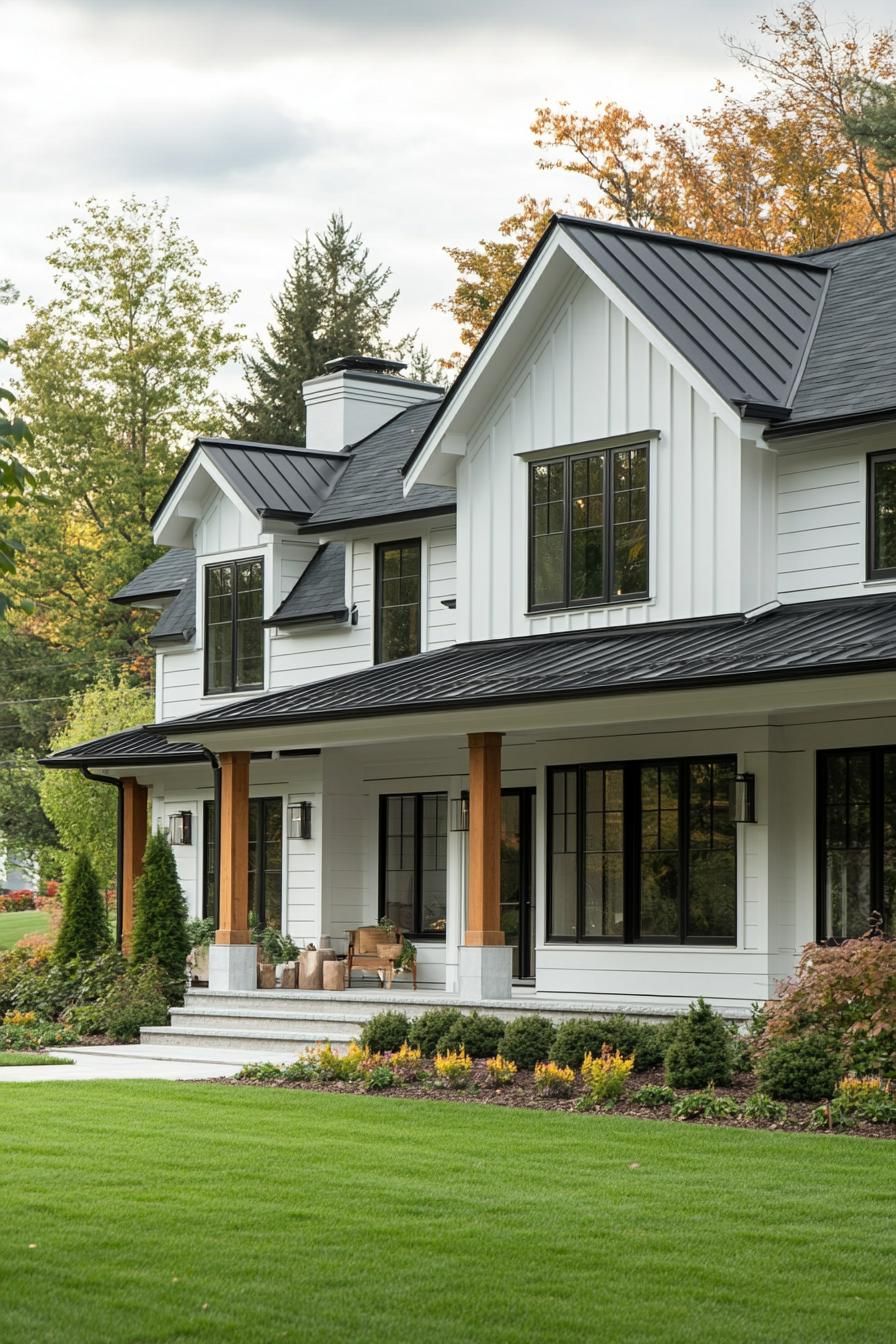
[856,831]
[643,852]
[414,862]
[234,634]
[265,861]
[588,528]
[882,515]
[397,616]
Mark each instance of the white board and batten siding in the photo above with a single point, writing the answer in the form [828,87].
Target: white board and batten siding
[821,513]
[591,374]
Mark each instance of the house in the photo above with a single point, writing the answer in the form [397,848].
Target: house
[583,673]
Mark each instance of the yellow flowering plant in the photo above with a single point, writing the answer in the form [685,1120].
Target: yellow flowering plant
[555,1080]
[454,1067]
[605,1075]
[501,1071]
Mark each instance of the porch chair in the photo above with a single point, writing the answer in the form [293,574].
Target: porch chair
[374,949]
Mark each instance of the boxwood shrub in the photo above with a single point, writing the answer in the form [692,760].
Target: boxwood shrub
[479,1034]
[806,1068]
[528,1041]
[385,1031]
[426,1031]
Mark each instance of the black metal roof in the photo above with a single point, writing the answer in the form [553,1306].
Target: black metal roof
[851,368]
[134,746]
[272,481]
[743,319]
[319,594]
[801,640]
[178,620]
[164,577]
[371,487]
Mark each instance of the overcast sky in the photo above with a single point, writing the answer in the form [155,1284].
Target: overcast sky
[256,118]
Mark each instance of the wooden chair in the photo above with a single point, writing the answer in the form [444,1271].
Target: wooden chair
[374,949]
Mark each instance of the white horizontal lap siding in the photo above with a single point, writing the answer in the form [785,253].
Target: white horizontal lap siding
[179,672]
[592,374]
[821,510]
[725,975]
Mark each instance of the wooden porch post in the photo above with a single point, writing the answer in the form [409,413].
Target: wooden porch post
[135,798]
[233,892]
[484,877]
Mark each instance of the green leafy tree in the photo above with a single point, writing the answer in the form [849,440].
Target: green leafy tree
[16,481]
[116,374]
[84,931]
[333,302]
[160,911]
[82,811]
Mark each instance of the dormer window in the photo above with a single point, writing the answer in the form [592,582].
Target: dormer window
[588,528]
[882,516]
[234,636]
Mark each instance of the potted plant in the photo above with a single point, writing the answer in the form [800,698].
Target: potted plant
[201,933]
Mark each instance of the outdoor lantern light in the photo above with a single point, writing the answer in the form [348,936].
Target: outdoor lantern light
[743,798]
[180,828]
[460,814]
[299,821]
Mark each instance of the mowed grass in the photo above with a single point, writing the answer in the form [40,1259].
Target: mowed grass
[10,1059]
[165,1212]
[19,923]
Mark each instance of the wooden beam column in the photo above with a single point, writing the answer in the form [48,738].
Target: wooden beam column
[484,876]
[135,799]
[233,891]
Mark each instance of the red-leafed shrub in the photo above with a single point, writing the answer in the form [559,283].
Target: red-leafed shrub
[11,901]
[848,992]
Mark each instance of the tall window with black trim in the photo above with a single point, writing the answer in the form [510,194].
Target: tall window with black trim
[397,616]
[643,852]
[882,515]
[413,862]
[265,861]
[856,830]
[588,528]
[234,634]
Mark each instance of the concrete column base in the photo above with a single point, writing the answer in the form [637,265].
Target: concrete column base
[484,972]
[232,966]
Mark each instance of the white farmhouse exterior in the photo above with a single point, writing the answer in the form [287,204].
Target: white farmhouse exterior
[586,668]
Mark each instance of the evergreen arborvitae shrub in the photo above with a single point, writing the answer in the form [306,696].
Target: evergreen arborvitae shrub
[84,931]
[479,1034]
[160,912]
[700,1049]
[528,1041]
[385,1031]
[427,1030]
[806,1068]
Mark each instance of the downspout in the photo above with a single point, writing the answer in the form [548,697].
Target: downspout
[119,855]
[216,772]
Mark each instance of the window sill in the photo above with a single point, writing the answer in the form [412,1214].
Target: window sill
[884,581]
[645,600]
[241,690]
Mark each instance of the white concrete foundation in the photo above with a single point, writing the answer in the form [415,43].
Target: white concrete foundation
[484,972]
[232,966]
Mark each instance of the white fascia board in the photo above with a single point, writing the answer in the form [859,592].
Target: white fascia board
[480,368]
[651,333]
[166,531]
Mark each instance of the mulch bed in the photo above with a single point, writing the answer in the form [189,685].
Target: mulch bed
[522,1094]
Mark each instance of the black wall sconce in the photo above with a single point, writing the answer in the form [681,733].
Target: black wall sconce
[180,828]
[299,821]
[743,798]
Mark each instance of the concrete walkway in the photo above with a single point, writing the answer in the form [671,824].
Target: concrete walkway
[176,1063]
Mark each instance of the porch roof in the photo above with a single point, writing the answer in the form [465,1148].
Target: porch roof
[791,642]
[134,746]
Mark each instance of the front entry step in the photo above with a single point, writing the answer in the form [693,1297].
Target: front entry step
[237,1038]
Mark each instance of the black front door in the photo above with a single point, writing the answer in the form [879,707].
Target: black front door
[265,861]
[517,891]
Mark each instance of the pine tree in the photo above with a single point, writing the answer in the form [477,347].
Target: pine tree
[84,931]
[333,303]
[160,913]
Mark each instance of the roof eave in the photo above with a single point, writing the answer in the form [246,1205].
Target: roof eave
[831,422]
[312,618]
[325,526]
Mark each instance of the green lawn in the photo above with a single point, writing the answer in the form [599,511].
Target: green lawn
[146,1212]
[17,925]
[11,1059]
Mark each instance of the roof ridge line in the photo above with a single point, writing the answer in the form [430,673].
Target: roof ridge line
[681,240]
[849,242]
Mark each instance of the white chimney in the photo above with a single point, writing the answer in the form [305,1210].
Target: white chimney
[355,396]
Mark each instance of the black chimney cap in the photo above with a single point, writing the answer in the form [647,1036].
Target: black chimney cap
[365,364]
